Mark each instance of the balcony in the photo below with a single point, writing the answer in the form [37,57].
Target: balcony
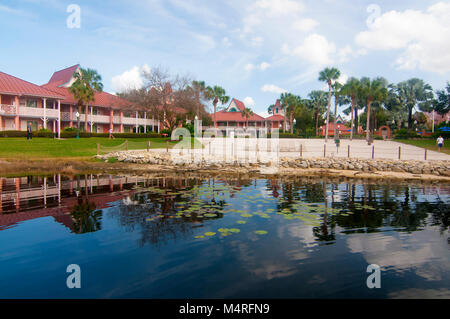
[31,112]
[7,110]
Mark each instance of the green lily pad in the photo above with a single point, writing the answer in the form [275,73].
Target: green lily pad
[200,236]
[242,222]
[234,230]
[247,215]
[210,233]
[261,232]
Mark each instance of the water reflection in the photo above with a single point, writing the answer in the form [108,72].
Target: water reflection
[301,237]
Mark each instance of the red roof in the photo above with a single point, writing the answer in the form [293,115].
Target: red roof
[11,85]
[63,76]
[274,118]
[102,99]
[235,117]
[239,104]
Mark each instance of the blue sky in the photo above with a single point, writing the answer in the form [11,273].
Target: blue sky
[254,49]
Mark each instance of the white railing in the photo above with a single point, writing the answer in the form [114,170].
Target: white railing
[37,112]
[99,118]
[6,109]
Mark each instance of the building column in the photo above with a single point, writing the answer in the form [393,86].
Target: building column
[1,123]
[17,117]
[137,126]
[92,122]
[59,119]
[45,112]
[111,117]
[145,122]
[70,115]
[121,121]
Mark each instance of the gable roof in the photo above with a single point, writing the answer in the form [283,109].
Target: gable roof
[222,116]
[240,105]
[64,75]
[11,85]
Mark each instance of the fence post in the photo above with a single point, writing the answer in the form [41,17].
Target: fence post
[348,151]
[324,150]
[98,149]
[426,154]
[373,151]
[399,152]
[167,146]
[148,146]
[126,145]
[301,150]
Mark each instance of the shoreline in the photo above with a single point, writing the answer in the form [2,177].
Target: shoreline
[69,167]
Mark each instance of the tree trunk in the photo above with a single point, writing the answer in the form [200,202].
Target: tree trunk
[292,122]
[356,120]
[368,120]
[410,118]
[317,122]
[215,108]
[351,121]
[328,111]
[335,113]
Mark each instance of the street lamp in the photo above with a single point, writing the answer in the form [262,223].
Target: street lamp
[78,124]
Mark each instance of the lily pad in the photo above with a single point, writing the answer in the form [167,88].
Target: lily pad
[242,222]
[210,233]
[261,232]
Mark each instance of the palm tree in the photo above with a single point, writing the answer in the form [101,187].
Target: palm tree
[328,75]
[317,103]
[417,93]
[216,94]
[247,113]
[87,82]
[374,91]
[336,92]
[352,89]
[294,102]
[199,88]
[284,100]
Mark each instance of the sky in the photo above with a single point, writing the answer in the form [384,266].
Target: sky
[254,49]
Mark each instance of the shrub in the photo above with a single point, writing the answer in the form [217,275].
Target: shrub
[404,134]
[13,134]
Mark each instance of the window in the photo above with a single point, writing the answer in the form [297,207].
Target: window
[276,111]
[31,103]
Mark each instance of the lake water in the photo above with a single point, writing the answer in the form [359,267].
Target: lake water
[214,238]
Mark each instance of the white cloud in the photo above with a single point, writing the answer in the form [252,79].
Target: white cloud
[421,36]
[249,67]
[206,42]
[273,89]
[346,52]
[305,25]
[226,42]
[263,66]
[248,101]
[129,80]
[315,50]
[256,41]
[279,7]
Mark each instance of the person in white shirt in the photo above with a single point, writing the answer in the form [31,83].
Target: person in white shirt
[440,142]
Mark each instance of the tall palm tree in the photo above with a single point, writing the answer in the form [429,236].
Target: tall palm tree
[374,91]
[284,100]
[199,88]
[337,93]
[247,113]
[328,75]
[317,103]
[294,102]
[352,89]
[216,94]
[87,82]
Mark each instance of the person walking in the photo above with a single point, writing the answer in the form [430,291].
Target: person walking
[111,136]
[440,142]
[29,133]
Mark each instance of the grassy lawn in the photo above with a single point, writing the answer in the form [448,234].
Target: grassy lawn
[41,148]
[428,144]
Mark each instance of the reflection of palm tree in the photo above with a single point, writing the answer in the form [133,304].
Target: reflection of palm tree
[86,219]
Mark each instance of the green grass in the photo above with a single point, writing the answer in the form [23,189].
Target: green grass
[42,148]
[428,144]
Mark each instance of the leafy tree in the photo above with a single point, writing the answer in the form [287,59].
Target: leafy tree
[318,101]
[328,75]
[442,103]
[87,82]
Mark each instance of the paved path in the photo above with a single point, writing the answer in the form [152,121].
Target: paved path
[313,148]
